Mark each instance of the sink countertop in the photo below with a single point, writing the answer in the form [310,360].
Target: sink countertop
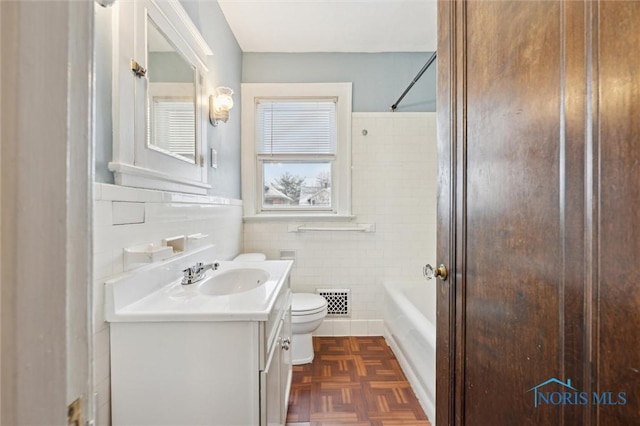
[175,302]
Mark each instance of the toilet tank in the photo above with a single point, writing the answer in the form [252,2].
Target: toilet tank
[250,257]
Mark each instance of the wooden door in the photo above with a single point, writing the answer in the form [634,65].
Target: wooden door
[539,206]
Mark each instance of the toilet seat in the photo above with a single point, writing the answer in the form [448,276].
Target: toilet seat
[307,304]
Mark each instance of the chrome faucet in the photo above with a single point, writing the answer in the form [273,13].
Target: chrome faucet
[196,272]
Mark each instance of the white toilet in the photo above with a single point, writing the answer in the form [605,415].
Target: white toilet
[307,313]
[250,257]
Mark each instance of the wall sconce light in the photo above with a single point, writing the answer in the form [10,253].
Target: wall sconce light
[219,105]
[105,3]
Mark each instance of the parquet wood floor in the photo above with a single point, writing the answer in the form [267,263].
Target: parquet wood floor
[353,381]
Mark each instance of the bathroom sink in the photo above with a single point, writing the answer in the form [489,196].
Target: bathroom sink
[236,291]
[234,281]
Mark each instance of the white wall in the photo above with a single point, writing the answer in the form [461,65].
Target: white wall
[45,113]
[393,186]
[165,214]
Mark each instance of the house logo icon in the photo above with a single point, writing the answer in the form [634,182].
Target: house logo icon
[547,382]
[568,395]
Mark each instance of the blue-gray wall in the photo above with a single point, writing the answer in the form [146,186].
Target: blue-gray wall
[378,78]
[167,67]
[225,69]
[103,124]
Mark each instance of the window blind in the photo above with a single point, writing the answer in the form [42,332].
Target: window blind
[174,126]
[296,127]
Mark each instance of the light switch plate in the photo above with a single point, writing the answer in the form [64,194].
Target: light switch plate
[214,159]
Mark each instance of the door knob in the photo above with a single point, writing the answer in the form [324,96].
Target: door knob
[286,344]
[430,272]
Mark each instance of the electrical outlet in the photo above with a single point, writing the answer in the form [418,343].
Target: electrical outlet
[288,255]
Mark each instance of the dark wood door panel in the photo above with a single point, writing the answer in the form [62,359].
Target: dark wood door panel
[618,145]
[513,247]
[539,206]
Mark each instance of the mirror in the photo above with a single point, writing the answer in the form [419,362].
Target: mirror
[171,98]
[160,94]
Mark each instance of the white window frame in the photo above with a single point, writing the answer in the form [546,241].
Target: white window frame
[341,168]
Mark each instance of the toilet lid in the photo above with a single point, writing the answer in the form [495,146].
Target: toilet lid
[307,303]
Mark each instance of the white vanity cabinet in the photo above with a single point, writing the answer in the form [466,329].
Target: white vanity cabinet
[275,377]
[275,368]
[216,372]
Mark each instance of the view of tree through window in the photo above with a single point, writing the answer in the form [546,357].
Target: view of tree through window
[289,184]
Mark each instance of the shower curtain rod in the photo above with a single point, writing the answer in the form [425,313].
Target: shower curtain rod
[424,68]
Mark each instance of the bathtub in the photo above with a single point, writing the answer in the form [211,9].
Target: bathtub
[409,328]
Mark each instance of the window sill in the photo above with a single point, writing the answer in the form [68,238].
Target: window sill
[298,218]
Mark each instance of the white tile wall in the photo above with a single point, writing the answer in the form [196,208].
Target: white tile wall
[155,215]
[394,186]
[125,212]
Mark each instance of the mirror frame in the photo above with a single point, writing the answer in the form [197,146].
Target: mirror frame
[133,162]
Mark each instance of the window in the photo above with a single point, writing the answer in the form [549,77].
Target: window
[296,146]
[296,149]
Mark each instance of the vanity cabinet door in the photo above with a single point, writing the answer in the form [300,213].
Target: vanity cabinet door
[270,385]
[286,369]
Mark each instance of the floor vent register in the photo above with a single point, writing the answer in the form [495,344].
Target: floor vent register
[338,301]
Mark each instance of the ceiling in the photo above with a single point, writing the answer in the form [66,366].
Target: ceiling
[332,25]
